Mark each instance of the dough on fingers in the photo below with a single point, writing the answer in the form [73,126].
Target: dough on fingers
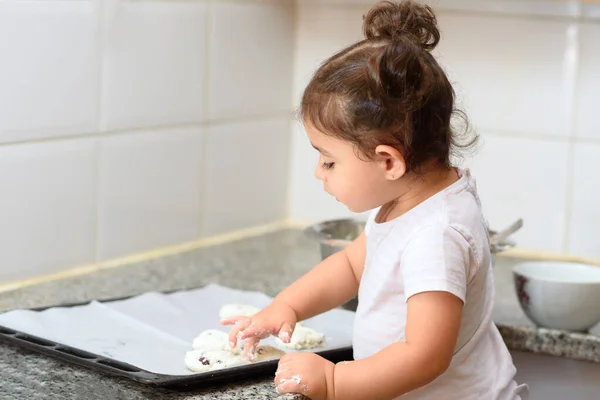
[303,338]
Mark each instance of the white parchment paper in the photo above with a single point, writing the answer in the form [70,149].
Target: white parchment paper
[154,330]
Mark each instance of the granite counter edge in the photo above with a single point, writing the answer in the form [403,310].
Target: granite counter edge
[552,342]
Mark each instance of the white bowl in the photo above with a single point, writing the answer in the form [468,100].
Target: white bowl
[559,295]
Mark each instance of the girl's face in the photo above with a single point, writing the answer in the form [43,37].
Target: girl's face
[360,185]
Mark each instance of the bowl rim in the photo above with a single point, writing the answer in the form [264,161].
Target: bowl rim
[517,269]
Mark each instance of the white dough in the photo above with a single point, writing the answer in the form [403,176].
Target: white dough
[202,361]
[303,338]
[213,339]
[235,310]
[211,349]
[210,360]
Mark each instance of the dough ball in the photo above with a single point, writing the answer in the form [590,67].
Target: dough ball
[303,338]
[214,339]
[234,310]
[202,361]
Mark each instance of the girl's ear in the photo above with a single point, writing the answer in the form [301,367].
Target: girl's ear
[392,162]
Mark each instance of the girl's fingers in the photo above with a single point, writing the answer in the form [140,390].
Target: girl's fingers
[238,326]
[250,348]
[231,320]
[253,330]
[285,332]
[293,384]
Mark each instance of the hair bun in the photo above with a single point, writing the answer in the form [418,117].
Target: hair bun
[407,19]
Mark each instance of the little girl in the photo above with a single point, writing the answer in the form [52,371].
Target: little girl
[379,114]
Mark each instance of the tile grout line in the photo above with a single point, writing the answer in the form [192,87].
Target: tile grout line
[103,39]
[537,136]
[264,117]
[572,61]
[204,140]
[449,10]
[148,255]
[149,129]
[103,33]
[208,43]
[292,128]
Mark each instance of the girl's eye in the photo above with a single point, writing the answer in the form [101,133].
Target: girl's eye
[328,165]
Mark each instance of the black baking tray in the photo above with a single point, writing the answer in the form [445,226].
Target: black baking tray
[112,367]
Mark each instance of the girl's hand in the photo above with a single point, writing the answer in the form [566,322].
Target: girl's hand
[277,319]
[305,373]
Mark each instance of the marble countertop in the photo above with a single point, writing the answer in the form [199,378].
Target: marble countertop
[265,263]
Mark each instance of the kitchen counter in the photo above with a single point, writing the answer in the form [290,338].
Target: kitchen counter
[265,263]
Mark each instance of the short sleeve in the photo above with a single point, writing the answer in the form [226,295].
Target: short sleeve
[436,258]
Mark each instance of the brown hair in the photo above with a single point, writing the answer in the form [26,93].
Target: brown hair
[388,89]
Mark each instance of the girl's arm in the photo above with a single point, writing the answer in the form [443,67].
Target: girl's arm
[329,284]
[432,326]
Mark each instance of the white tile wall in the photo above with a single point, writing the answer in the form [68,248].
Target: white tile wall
[515,64]
[140,79]
[585,210]
[47,207]
[148,190]
[516,73]
[588,99]
[525,178]
[48,69]
[208,85]
[251,58]
[155,65]
[321,31]
[246,174]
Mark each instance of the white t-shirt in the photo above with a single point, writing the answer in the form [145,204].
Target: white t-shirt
[440,245]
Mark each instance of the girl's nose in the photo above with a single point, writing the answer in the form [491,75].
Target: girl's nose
[319,172]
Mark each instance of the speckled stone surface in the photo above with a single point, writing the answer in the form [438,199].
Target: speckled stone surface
[28,376]
[267,263]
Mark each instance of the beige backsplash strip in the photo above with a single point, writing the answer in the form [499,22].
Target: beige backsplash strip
[145,256]
[229,237]
[547,256]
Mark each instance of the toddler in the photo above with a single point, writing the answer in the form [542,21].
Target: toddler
[379,113]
